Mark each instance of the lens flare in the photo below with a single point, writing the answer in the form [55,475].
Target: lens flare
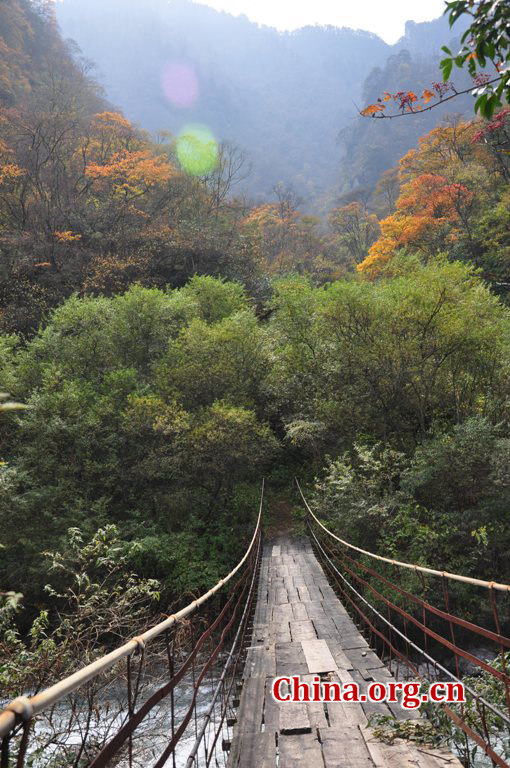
[180,84]
[197,150]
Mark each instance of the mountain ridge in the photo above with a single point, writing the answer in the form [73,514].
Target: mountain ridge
[283,97]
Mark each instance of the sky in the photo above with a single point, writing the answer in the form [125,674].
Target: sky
[384,17]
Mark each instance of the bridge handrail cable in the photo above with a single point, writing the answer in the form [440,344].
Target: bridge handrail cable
[25,707]
[481,741]
[411,566]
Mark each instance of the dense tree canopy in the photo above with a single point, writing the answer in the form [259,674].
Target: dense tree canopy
[166,342]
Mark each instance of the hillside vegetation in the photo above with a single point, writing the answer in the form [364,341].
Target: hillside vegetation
[175,342]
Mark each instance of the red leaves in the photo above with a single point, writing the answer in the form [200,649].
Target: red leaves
[497,123]
[408,101]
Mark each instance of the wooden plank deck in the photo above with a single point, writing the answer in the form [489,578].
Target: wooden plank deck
[301,628]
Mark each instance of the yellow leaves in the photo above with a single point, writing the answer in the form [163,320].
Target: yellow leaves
[442,150]
[10,172]
[134,169]
[372,110]
[112,121]
[4,148]
[378,255]
[406,101]
[9,405]
[64,237]
[262,214]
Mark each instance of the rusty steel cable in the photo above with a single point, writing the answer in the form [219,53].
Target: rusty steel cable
[24,708]
[437,665]
[420,625]
[234,653]
[136,718]
[459,721]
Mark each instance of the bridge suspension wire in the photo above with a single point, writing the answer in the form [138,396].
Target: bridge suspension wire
[231,661]
[408,617]
[20,713]
[400,564]
[436,664]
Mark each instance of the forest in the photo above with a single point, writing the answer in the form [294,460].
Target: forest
[172,342]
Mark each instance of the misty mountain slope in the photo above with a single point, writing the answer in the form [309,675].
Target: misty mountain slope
[372,145]
[34,59]
[283,97]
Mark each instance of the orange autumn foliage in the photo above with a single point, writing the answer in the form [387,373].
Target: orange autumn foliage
[428,211]
[10,172]
[445,147]
[119,156]
[66,237]
[135,171]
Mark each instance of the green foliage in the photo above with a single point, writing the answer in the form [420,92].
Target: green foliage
[214,299]
[386,358]
[485,41]
[97,599]
[387,729]
[211,361]
[142,407]
[228,442]
[358,494]
[446,506]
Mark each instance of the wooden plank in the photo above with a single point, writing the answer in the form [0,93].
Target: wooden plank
[370,707]
[316,709]
[260,661]
[325,629]
[282,633]
[316,611]
[254,750]
[290,659]
[299,612]
[304,594]
[271,713]
[289,653]
[351,641]
[318,656]
[302,630]
[342,715]
[341,658]
[364,658]
[282,613]
[294,718]
[249,714]
[344,747]
[400,754]
[281,596]
[328,593]
[293,595]
[301,750]
[315,594]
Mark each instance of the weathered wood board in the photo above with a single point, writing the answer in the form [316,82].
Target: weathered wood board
[301,628]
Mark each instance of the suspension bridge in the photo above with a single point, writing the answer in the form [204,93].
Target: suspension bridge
[195,689]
